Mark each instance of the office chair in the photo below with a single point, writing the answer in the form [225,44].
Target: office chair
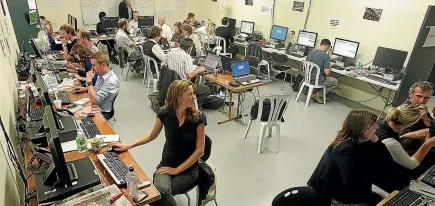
[124,62]
[111,114]
[276,105]
[300,196]
[308,71]
[223,44]
[148,73]
[278,66]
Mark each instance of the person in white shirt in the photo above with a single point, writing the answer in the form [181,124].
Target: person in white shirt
[187,31]
[398,119]
[152,48]
[166,30]
[133,25]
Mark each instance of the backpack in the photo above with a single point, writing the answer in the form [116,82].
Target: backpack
[213,102]
[297,82]
[266,110]
[155,106]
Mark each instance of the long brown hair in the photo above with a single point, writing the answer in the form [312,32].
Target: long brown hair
[356,122]
[176,89]
[83,52]
[178,25]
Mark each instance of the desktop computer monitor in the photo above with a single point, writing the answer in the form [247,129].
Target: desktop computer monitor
[232,25]
[110,23]
[307,39]
[345,48]
[247,27]
[74,23]
[59,172]
[390,58]
[145,21]
[279,33]
[69,18]
[36,49]
[240,68]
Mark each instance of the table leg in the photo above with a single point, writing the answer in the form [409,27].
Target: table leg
[387,102]
[230,114]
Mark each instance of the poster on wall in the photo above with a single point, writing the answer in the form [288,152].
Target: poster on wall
[298,6]
[249,2]
[372,14]
[334,23]
[32,4]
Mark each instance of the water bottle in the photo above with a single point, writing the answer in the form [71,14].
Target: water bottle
[82,145]
[358,64]
[132,180]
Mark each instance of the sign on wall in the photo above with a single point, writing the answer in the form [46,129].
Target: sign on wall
[298,6]
[372,14]
[334,23]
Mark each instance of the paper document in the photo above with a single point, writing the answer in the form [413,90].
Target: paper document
[108,137]
[82,101]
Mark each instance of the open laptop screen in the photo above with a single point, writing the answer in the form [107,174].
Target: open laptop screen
[212,61]
[240,68]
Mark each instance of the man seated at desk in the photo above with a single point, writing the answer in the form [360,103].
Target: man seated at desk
[133,25]
[413,137]
[166,30]
[179,60]
[152,48]
[68,41]
[225,32]
[129,47]
[321,57]
[85,38]
[106,87]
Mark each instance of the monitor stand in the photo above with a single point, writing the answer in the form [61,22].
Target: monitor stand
[86,177]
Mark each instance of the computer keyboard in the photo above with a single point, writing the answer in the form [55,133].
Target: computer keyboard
[115,166]
[63,95]
[380,79]
[429,178]
[295,54]
[337,67]
[36,114]
[62,75]
[88,126]
[59,57]
[246,79]
[406,197]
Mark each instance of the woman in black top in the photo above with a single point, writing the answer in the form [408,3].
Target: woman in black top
[185,135]
[345,171]
[125,10]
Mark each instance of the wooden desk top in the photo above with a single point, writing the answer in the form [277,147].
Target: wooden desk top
[106,179]
[385,200]
[225,79]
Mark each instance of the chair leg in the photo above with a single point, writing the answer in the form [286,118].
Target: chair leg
[155,84]
[215,202]
[299,93]
[324,95]
[278,134]
[283,82]
[188,199]
[260,140]
[128,70]
[310,92]
[247,128]
[145,74]
[270,131]
[148,84]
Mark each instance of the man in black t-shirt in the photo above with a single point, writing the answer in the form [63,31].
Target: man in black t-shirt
[69,39]
[226,33]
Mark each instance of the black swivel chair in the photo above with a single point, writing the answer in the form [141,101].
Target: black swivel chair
[279,65]
[297,196]
[111,114]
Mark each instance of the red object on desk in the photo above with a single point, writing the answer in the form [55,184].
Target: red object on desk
[117,196]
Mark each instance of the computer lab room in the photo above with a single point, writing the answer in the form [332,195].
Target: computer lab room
[217,102]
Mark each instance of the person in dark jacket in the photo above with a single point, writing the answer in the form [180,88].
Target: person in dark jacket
[225,32]
[345,172]
[102,31]
[125,10]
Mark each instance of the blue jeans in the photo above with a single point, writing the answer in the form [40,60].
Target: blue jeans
[169,186]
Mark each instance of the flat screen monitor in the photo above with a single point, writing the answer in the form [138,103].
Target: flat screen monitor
[69,19]
[110,22]
[232,25]
[279,33]
[35,48]
[345,48]
[240,68]
[74,23]
[247,27]
[307,38]
[145,21]
[390,58]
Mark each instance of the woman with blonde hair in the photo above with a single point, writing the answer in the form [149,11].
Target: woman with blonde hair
[349,177]
[185,136]
[209,28]
[398,119]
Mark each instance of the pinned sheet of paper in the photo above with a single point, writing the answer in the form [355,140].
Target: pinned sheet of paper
[430,39]
[334,23]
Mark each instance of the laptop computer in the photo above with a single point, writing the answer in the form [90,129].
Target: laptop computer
[211,61]
[241,73]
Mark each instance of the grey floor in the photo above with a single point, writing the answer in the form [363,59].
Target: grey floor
[244,177]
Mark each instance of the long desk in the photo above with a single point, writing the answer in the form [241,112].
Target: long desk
[106,179]
[224,80]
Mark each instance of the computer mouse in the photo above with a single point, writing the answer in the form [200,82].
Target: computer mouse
[234,84]
[90,115]
[110,148]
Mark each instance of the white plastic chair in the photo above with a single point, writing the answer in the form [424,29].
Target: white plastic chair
[205,40]
[278,103]
[308,68]
[148,74]
[223,44]
[217,50]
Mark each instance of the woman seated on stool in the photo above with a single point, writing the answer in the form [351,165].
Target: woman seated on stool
[345,171]
[398,119]
[185,133]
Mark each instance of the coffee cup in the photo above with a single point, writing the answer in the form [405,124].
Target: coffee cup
[96,144]
[58,103]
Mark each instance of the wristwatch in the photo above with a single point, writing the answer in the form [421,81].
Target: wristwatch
[88,84]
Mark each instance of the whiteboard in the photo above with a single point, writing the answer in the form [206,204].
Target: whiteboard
[91,8]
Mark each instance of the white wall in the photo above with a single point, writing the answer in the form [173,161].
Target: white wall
[58,15]
[10,193]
